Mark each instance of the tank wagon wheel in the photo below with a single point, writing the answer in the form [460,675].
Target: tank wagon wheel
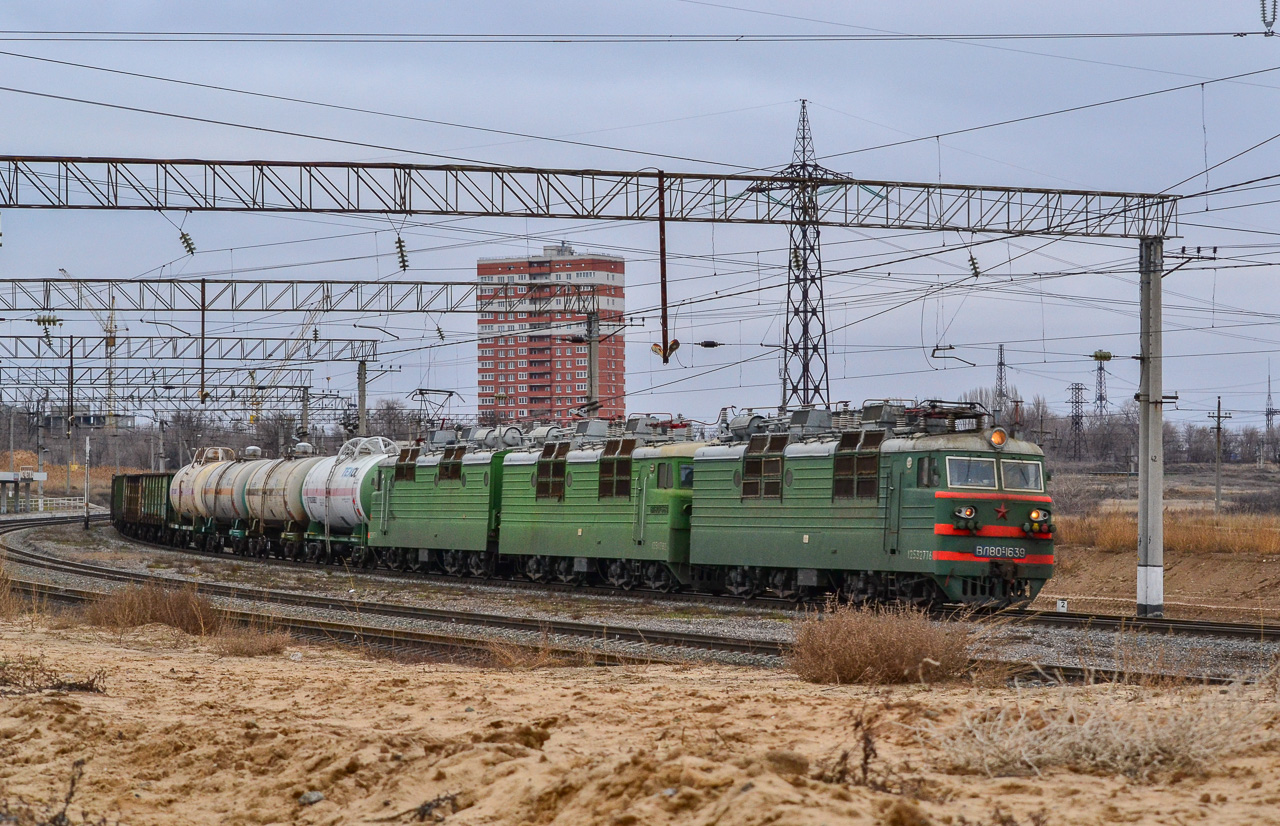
[742,582]
[454,563]
[481,564]
[296,551]
[537,568]
[564,572]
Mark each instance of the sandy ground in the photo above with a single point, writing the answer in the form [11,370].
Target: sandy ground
[183,736]
[1237,587]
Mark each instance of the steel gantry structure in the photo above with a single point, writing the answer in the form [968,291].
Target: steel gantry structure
[177,348]
[51,182]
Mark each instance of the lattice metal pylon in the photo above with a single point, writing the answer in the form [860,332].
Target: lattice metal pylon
[1002,385]
[804,373]
[1077,418]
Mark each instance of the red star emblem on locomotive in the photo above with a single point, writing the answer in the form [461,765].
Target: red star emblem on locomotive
[1002,512]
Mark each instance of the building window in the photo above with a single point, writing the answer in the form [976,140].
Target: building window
[582,388]
[762,466]
[524,362]
[580,374]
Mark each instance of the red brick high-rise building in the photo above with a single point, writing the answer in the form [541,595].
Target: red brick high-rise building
[534,351]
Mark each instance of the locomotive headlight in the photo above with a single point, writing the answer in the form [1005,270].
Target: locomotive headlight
[998,437]
[965,513]
[1038,515]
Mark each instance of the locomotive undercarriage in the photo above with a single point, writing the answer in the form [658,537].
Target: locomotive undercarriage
[1002,586]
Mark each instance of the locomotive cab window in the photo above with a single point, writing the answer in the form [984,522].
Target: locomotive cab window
[615,469]
[1021,475]
[971,472]
[762,466]
[686,476]
[451,464]
[552,465]
[664,475]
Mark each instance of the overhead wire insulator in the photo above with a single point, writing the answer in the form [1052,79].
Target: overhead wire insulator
[973,265]
[187,243]
[440,332]
[401,253]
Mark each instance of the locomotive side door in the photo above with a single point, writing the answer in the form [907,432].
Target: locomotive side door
[892,504]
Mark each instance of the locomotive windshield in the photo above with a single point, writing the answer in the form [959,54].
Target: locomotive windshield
[970,472]
[1020,475]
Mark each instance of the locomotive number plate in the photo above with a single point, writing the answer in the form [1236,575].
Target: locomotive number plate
[1000,552]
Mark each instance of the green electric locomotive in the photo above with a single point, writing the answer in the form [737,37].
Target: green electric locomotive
[907,502]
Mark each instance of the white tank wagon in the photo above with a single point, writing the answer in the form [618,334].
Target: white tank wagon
[186,491]
[273,498]
[337,494]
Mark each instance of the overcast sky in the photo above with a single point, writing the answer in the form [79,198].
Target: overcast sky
[723,105]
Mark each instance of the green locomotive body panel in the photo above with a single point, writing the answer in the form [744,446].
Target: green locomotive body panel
[433,503]
[558,502]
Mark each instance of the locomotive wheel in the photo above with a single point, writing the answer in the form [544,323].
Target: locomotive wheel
[563,571]
[783,583]
[537,568]
[658,577]
[623,574]
[453,562]
[480,564]
[742,582]
[396,560]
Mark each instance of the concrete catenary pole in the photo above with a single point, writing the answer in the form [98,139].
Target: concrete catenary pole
[1151,432]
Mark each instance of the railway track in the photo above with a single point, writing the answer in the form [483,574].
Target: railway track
[559,636]
[1075,620]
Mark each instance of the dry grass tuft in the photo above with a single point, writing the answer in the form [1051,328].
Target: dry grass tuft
[879,646]
[11,602]
[1110,734]
[515,657]
[183,608]
[30,675]
[251,641]
[1118,532]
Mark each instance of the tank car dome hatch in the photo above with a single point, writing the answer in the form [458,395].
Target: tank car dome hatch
[304,449]
[251,452]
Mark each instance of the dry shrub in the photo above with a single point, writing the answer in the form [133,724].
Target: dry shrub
[183,608]
[30,675]
[11,602]
[881,645]
[1111,734]
[250,641]
[1118,532]
[530,657]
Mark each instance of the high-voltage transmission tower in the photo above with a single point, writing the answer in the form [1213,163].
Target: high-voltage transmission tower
[804,348]
[1100,384]
[1002,386]
[1077,418]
